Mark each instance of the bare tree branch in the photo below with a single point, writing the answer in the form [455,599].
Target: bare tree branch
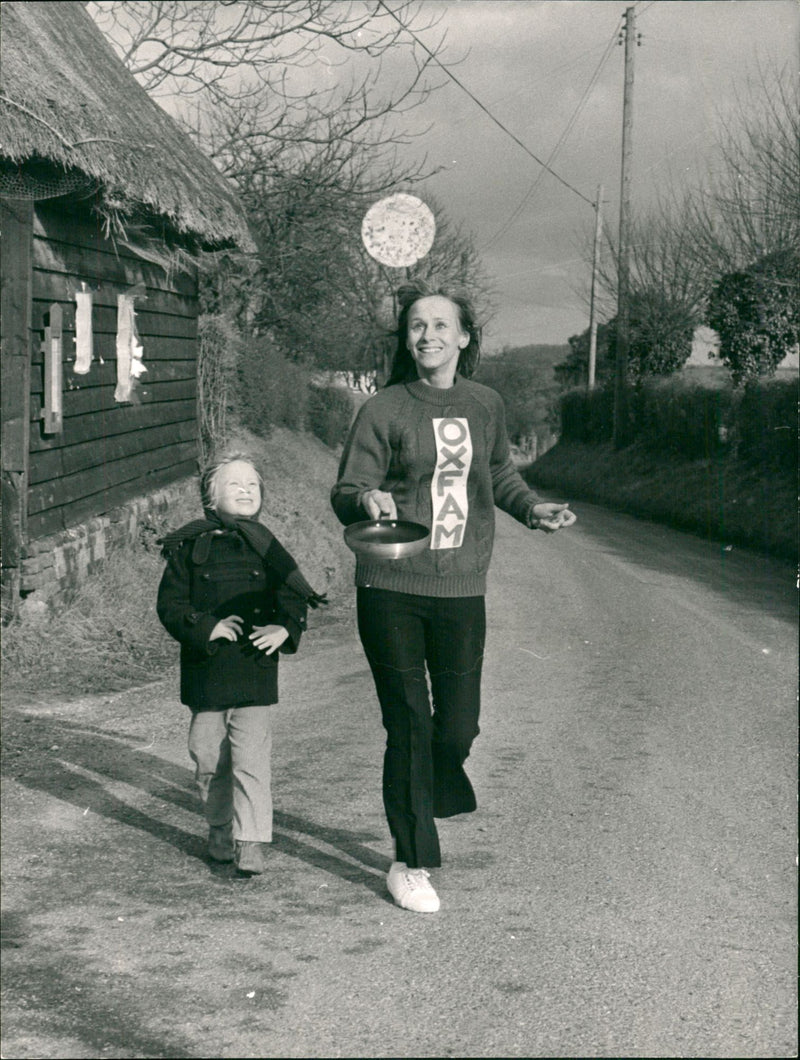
[174,48]
[751,208]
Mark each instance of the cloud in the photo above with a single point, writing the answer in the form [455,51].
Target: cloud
[530,63]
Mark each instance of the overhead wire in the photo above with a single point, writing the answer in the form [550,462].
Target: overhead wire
[536,270]
[484,108]
[570,124]
[545,76]
[560,142]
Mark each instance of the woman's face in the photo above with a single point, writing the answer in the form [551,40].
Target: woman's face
[236,490]
[435,339]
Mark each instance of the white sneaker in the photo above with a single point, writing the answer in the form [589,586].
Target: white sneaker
[411,888]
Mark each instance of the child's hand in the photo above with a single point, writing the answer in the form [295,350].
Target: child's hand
[229,628]
[269,638]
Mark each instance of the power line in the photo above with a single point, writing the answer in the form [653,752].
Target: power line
[485,109]
[545,77]
[536,269]
[567,130]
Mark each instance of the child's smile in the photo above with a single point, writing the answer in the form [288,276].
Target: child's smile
[238,491]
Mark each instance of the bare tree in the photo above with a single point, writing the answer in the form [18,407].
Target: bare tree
[751,207]
[180,47]
[669,282]
[318,292]
[297,63]
[749,210]
[665,258]
[288,98]
[749,222]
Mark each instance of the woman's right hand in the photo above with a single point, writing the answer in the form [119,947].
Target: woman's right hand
[229,628]
[378,503]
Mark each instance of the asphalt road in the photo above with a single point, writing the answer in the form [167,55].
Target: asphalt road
[626,888]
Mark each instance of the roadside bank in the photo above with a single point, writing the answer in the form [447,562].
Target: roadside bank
[725,500]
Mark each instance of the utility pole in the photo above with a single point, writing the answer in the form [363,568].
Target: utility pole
[598,208]
[621,411]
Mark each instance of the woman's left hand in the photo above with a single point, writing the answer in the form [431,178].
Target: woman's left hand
[552,517]
[269,638]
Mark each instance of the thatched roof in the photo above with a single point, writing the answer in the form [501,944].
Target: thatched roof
[69,102]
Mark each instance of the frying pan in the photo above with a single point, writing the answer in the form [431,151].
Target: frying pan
[387,538]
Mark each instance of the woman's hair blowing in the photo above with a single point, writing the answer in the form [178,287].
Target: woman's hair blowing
[404,369]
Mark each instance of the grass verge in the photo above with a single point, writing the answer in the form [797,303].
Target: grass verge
[725,500]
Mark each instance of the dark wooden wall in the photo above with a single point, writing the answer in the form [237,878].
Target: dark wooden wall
[108,452]
[16,222]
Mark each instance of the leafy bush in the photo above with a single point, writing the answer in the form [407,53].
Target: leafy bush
[692,421]
[756,313]
[660,335]
[573,371]
[273,391]
[767,424]
[524,377]
[330,412]
[587,416]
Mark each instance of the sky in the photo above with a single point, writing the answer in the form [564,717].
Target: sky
[530,63]
[552,73]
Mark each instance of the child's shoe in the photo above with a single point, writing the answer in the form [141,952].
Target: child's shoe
[250,857]
[220,842]
[411,888]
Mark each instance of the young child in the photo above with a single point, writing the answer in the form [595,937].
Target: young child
[233,597]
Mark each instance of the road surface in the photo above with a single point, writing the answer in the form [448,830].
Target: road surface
[626,888]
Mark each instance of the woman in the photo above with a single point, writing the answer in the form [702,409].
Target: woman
[431,447]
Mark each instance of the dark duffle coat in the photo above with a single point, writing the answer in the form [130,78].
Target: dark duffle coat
[209,578]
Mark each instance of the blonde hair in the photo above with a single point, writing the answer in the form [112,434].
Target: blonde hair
[208,479]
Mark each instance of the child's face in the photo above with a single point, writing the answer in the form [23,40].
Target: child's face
[237,489]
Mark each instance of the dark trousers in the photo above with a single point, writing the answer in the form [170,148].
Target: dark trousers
[423,766]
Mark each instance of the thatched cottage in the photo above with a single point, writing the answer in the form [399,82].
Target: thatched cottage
[104,201]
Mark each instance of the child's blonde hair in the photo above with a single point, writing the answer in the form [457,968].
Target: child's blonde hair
[208,480]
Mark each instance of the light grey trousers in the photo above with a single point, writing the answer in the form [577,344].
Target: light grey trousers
[231,750]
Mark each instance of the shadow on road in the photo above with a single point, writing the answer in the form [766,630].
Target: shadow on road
[104,880]
[72,762]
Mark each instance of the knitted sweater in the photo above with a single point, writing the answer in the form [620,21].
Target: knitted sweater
[443,455]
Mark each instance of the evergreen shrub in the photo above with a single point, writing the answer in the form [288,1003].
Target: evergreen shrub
[694,422]
[587,416]
[767,423]
[273,391]
[330,412]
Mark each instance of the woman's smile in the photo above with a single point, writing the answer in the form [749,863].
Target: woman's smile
[435,339]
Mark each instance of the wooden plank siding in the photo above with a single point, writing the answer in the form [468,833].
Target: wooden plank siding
[108,452]
[108,497]
[16,220]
